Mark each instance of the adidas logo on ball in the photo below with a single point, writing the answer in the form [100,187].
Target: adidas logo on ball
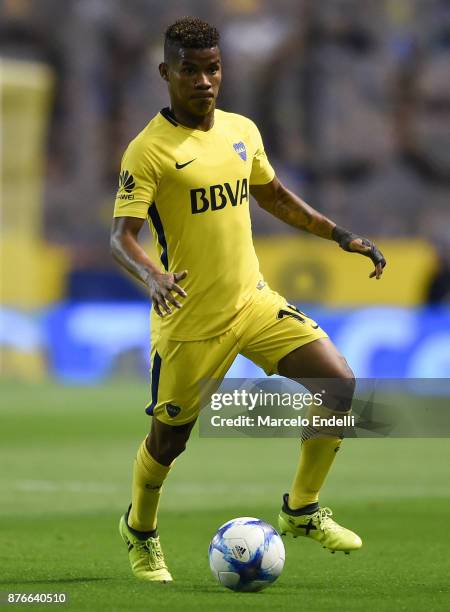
[239,551]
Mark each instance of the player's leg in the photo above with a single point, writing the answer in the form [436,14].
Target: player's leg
[151,467]
[322,369]
[177,369]
[283,340]
[138,526]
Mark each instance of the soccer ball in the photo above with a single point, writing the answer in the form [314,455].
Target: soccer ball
[246,554]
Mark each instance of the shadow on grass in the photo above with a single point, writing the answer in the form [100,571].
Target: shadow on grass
[56,580]
[178,587]
[218,590]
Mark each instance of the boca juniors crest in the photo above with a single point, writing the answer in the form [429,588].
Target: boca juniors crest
[240,149]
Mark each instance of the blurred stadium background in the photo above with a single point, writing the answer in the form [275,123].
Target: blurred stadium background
[353,101]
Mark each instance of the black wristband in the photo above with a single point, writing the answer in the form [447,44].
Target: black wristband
[344,238]
[339,234]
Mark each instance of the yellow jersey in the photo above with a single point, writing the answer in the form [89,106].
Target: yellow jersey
[193,187]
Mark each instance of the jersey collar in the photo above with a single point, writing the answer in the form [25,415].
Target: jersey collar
[170,117]
[167,114]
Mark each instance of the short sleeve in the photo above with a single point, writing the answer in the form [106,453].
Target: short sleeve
[262,171]
[138,182]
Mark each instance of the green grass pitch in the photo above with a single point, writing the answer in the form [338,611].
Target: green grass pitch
[66,457]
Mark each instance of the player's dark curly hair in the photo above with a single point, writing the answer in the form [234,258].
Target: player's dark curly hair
[191,32]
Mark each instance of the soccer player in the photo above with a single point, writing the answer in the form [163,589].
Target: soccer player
[190,173]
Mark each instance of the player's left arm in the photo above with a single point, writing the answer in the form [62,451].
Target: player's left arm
[286,206]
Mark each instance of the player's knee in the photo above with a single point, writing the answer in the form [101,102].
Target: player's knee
[344,390]
[340,389]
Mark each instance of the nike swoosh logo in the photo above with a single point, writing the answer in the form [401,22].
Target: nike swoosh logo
[179,166]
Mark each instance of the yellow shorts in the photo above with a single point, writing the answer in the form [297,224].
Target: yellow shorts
[265,331]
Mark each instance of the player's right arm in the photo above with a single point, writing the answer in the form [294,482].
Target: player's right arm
[127,251]
[138,185]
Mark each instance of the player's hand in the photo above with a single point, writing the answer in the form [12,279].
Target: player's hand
[356,244]
[161,285]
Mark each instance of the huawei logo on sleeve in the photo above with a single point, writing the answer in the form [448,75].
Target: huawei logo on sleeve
[126,181]
[126,186]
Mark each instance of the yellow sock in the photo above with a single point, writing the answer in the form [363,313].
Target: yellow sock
[316,457]
[148,477]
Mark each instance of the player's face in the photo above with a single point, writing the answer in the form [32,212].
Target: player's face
[194,77]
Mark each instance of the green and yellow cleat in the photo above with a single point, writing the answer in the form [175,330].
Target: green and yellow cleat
[146,556]
[318,526]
